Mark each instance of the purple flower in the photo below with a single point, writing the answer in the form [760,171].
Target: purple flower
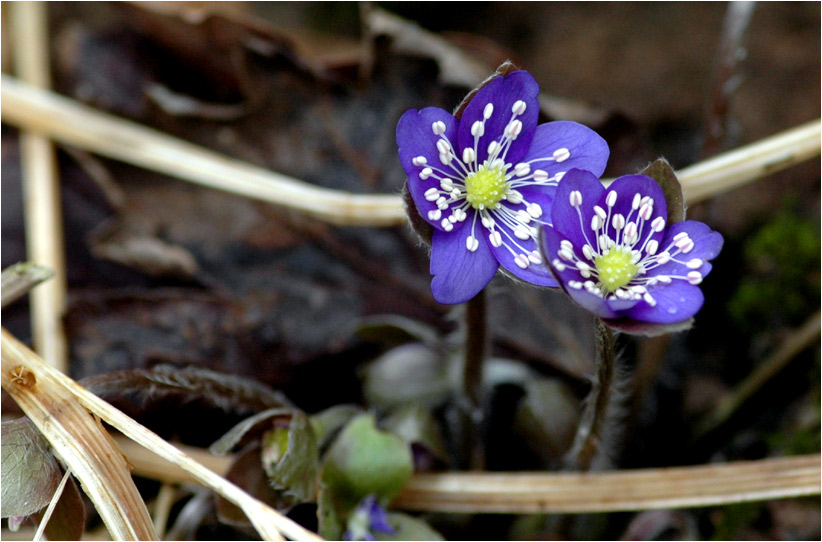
[367,518]
[485,182]
[614,253]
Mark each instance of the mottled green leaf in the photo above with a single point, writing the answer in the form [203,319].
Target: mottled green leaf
[291,458]
[248,429]
[31,474]
[416,425]
[326,423]
[330,526]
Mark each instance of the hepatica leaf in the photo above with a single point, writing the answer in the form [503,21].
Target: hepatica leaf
[31,474]
[291,459]
[366,461]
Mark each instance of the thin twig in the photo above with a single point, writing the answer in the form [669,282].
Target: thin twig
[52,505]
[542,492]
[72,123]
[19,278]
[269,523]
[41,190]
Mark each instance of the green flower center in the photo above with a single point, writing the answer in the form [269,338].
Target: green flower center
[615,269]
[485,188]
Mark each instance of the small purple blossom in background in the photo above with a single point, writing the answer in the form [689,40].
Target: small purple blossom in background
[367,518]
[614,253]
[485,182]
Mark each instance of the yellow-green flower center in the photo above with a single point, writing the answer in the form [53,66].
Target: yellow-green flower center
[615,269]
[485,188]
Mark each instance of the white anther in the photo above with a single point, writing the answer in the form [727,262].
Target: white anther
[436,214]
[618,222]
[635,256]
[432,194]
[696,263]
[694,277]
[589,285]
[522,169]
[566,254]
[575,284]
[438,127]
[540,175]
[535,257]
[468,155]
[680,235]
[522,232]
[583,267]
[575,198]
[600,212]
[596,222]
[646,199]
[664,279]
[419,160]
[685,245]
[497,163]
[453,218]
[446,224]
[443,146]
[522,261]
[629,236]
[471,243]
[456,193]
[611,198]
[513,197]
[621,294]
[460,214]
[636,202]
[559,175]
[488,222]
[565,244]
[523,216]
[478,128]
[658,224]
[652,247]
[513,129]
[645,211]
[649,299]
[447,185]
[493,148]
[534,209]
[518,107]
[495,238]
[561,155]
[663,258]
[488,111]
[588,252]
[445,158]
[425,173]
[440,200]
[639,289]
[604,242]
[558,265]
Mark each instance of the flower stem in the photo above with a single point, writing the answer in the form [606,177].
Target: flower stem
[474,357]
[597,404]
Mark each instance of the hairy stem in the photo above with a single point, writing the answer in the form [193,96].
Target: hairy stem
[474,357]
[595,415]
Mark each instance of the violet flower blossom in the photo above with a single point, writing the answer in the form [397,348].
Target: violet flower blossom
[486,181]
[614,253]
[367,518]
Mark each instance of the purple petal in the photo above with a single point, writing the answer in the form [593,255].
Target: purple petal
[675,302]
[565,218]
[459,274]
[416,138]
[707,245]
[588,151]
[502,92]
[626,187]
[535,273]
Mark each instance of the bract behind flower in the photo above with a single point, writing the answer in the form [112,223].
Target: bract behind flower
[486,182]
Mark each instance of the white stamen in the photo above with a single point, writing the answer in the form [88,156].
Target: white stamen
[566,254]
[588,252]
[522,232]
[646,210]
[535,257]
[488,111]
[495,238]
[600,212]
[471,243]
[453,218]
[575,198]
[513,197]
[696,263]
[540,175]
[596,222]
[694,277]
[478,128]
[432,194]
[518,108]
[618,222]
[685,245]
[443,146]
[425,173]
[419,160]
[629,236]
[522,261]
[561,155]
[493,148]
[488,222]
[658,224]
[513,129]
[664,279]
[652,247]
[583,267]
[523,216]
[576,285]
[635,203]
[446,225]
[611,198]
[663,258]
[680,235]
[534,209]
[468,155]
[460,214]
[649,299]
[447,185]
[558,265]
[441,201]
[445,158]
[438,127]
[436,214]
[522,169]
[456,193]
